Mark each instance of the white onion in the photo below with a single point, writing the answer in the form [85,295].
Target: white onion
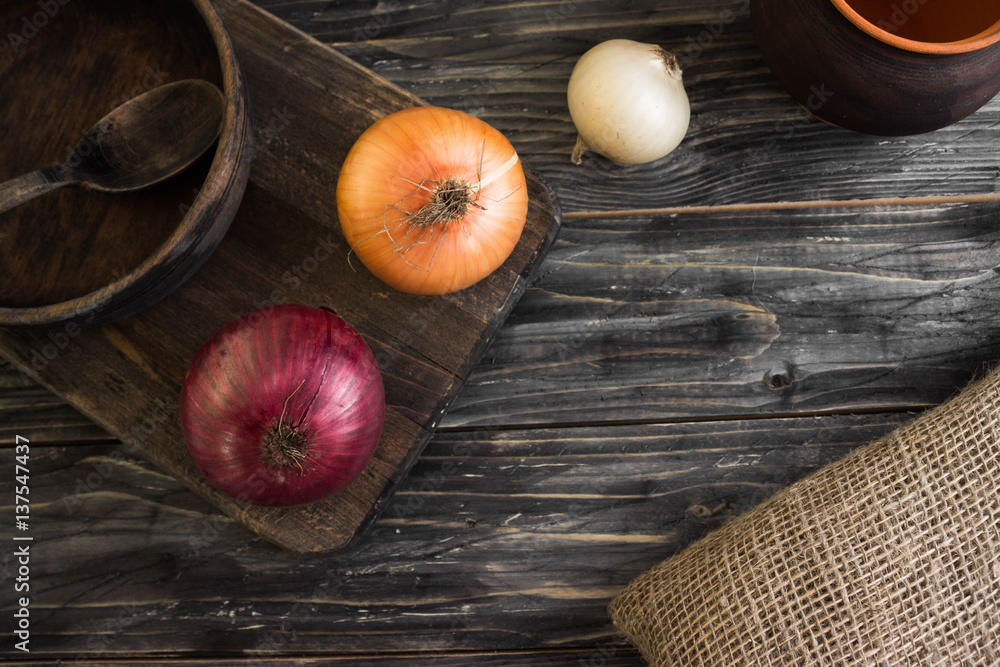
[628,102]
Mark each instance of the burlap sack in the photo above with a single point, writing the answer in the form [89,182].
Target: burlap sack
[890,556]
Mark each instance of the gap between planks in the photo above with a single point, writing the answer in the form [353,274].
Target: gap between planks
[929,200]
[611,423]
[428,657]
[692,419]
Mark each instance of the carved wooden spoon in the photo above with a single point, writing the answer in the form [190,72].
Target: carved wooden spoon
[144,141]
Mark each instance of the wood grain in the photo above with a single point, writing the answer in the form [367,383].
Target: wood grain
[708,315]
[748,141]
[80,257]
[701,315]
[607,656]
[285,246]
[498,539]
[27,407]
[455,583]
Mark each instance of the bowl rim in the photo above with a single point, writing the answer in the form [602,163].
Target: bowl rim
[228,172]
[981,40]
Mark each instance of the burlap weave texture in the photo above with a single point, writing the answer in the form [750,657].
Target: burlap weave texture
[890,556]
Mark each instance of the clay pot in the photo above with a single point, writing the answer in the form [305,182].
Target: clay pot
[884,67]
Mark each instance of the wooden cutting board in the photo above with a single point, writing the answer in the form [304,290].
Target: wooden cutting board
[285,246]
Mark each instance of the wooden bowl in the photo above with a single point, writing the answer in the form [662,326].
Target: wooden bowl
[79,257]
[883,67]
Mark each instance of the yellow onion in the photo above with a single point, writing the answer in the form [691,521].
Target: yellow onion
[432,200]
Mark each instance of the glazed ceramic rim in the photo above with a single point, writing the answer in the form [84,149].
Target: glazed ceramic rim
[975,42]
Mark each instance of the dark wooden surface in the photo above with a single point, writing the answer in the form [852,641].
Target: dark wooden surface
[127,375]
[83,257]
[666,370]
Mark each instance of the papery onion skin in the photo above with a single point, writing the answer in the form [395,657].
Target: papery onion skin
[301,368]
[388,176]
[628,102]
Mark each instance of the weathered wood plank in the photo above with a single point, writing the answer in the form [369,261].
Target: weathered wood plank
[611,655]
[464,29]
[517,539]
[740,313]
[498,540]
[26,406]
[581,343]
[746,313]
[748,140]
[285,246]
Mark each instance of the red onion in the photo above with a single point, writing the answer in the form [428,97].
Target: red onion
[283,407]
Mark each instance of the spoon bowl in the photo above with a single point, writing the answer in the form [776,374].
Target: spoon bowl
[151,138]
[143,142]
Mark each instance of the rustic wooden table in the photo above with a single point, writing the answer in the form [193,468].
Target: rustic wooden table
[705,330]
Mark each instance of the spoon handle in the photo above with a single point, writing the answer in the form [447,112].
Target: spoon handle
[23,188]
